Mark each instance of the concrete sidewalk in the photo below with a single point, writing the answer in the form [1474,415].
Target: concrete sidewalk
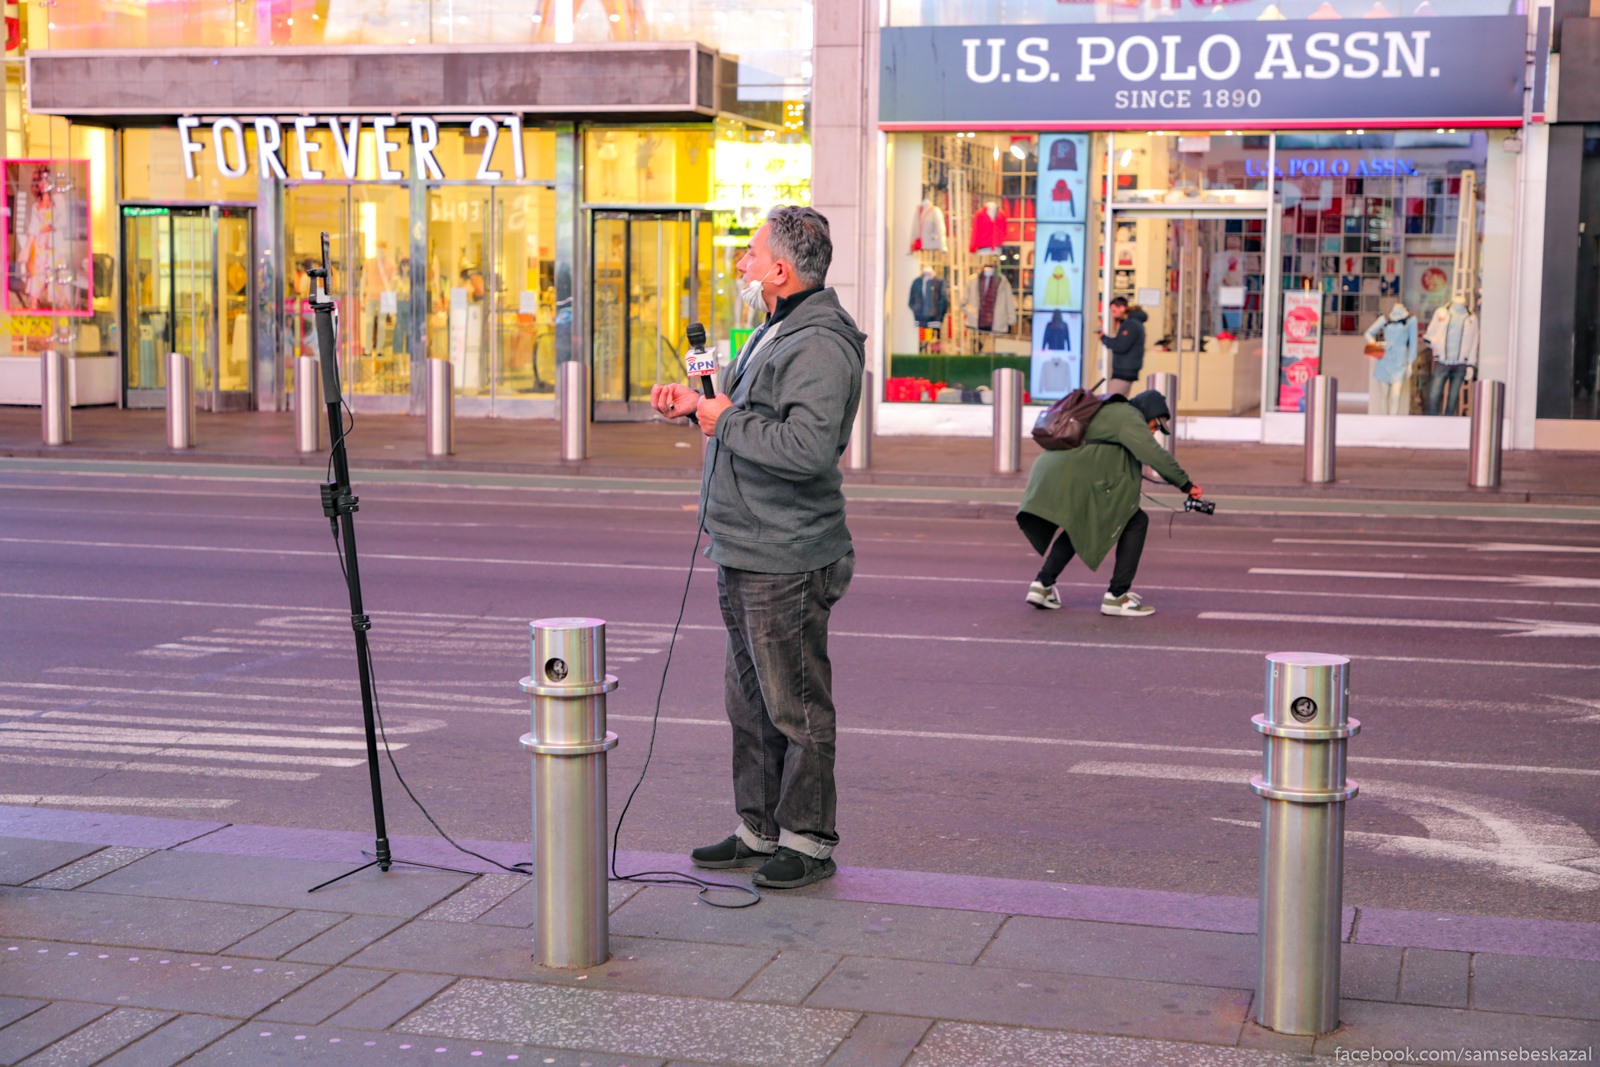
[671,453]
[127,940]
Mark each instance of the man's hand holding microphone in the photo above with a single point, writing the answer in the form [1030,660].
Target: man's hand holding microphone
[706,405]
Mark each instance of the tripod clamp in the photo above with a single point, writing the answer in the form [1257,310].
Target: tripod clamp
[338,499]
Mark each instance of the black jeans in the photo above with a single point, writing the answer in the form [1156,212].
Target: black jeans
[778,691]
[1130,546]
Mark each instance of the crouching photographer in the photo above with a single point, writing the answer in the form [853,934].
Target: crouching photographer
[1090,494]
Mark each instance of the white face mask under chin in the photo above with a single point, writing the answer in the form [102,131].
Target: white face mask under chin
[751,295]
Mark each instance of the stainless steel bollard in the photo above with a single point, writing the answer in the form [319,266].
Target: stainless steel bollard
[572,408]
[180,401]
[1007,385]
[858,452]
[568,686]
[1167,386]
[440,408]
[308,413]
[55,398]
[1488,419]
[1303,789]
[1322,399]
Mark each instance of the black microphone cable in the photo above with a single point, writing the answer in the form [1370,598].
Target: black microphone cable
[377,706]
[675,877]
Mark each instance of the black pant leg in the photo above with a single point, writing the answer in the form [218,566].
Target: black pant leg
[1056,560]
[1130,546]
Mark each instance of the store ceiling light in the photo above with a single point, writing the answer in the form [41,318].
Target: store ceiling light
[1017,151]
[1126,159]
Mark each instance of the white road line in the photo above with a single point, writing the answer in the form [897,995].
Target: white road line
[415,726]
[62,801]
[72,743]
[1496,836]
[1471,546]
[1510,627]
[160,768]
[175,737]
[1243,777]
[1537,581]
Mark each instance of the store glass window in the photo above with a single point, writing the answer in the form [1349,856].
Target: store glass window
[995,238]
[153,169]
[1381,245]
[650,165]
[479,153]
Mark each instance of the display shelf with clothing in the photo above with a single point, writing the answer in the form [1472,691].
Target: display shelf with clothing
[1392,345]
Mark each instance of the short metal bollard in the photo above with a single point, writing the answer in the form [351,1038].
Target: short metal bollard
[55,399]
[1007,385]
[440,408]
[858,451]
[572,408]
[180,401]
[1167,386]
[1488,420]
[568,685]
[308,413]
[1303,789]
[1322,398]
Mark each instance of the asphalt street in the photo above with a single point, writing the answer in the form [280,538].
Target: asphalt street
[178,643]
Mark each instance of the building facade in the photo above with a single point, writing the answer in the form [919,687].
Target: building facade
[502,185]
[1402,195]
[1349,188]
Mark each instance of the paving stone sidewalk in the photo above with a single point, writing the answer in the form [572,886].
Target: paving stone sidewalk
[129,940]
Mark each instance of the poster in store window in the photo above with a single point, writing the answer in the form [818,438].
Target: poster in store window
[1302,346]
[48,266]
[1057,354]
[1063,177]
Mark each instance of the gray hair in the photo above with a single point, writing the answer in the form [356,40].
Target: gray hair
[799,235]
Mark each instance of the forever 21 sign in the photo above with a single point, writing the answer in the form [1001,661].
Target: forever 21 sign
[307,159]
[1461,71]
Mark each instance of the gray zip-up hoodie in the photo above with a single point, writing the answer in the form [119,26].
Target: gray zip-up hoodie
[771,487]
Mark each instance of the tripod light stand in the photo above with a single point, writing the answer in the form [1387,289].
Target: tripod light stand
[339,504]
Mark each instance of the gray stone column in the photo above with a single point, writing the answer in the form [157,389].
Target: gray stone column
[846,171]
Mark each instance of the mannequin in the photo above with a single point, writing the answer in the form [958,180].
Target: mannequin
[929,302]
[989,302]
[1453,336]
[988,230]
[927,228]
[1396,332]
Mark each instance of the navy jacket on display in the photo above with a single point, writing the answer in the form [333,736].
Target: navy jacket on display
[1057,338]
[1059,250]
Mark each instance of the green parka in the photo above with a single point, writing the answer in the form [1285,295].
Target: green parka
[1093,490]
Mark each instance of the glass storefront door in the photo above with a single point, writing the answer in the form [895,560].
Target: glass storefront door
[491,292]
[1197,276]
[188,290]
[651,278]
[368,241]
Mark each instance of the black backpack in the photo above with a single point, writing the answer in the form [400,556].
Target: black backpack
[1062,425]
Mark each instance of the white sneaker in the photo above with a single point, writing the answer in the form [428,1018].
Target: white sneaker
[1044,597]
[1128,605]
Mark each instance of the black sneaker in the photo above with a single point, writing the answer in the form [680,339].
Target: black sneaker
[731,851]
[788,869]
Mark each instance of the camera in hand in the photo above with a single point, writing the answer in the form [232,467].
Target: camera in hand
[1194,503]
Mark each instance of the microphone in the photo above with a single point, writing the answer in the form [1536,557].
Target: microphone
[701,362]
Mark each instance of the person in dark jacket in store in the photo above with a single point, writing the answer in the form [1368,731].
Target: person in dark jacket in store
[773,503]
[1126,342]
[1091,494]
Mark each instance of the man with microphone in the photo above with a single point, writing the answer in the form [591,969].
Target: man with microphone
[772,502]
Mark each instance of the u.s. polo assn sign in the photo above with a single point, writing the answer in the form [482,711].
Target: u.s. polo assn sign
[1458,71]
